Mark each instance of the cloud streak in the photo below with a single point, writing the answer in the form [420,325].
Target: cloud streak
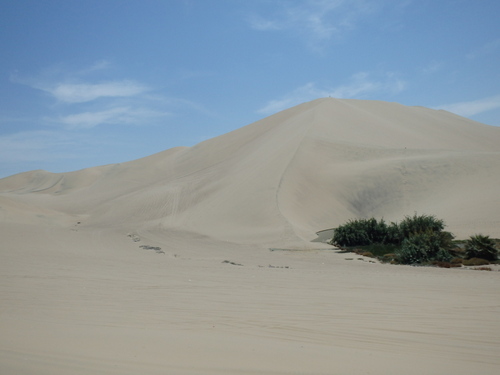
[316,20]
[84,104]
[36,145]
[117,115]
[86,92]
[432,67]
[360,85]
[472,108]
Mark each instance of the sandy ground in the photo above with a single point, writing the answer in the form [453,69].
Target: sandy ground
[79,295]
[107,306]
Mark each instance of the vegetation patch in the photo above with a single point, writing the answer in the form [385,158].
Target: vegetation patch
[377,250]
[480,246]
[417,240]
[442,264]
[475,262]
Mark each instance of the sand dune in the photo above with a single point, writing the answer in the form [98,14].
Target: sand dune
[80,296]
[285,177]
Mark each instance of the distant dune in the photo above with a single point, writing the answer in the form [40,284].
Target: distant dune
[162,265]
[283,178]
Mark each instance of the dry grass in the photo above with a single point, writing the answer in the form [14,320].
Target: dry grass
[483,269]
[475,262]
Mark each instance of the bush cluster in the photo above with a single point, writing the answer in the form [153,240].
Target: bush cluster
[418,238]
[417,224]
[426,246]
[361,232]
[479,246]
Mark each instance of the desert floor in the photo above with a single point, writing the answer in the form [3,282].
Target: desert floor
[88,301]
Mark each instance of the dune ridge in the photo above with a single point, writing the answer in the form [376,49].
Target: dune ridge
[199,260]
[287,176]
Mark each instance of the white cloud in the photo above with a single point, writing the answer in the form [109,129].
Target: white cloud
[33,145]
[83,103]
[77,86]
[360,84]
[262,24]
[97,66]
[433,67]
[297,96]
[473,107]
[54,150]
[317,20]
[86,92]
[118,115]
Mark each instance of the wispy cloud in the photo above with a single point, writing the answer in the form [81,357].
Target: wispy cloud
[78,86]
[317,20]
[86,92]
[432,67]
[85,103]
[35,145]
[361,84]
[57,150]
[95,67]
[69,125]
[117,115]
[473,107]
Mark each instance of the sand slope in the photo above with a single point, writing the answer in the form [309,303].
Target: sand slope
[285,177]
[80,296]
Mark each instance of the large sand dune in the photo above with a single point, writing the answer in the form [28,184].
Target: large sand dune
[80,296]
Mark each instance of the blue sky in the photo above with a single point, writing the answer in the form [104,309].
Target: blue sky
[87,83]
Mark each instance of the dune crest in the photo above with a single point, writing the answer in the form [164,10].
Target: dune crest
[287,176]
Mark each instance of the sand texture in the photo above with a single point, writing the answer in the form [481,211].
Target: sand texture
[199,260]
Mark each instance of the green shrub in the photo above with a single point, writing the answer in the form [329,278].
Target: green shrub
[350,234]
[417,239]
[362,232]
[417,224]
[479,246]
[426,246]
[393,234]
[413,250]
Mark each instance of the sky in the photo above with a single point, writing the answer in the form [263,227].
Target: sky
[93,82]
